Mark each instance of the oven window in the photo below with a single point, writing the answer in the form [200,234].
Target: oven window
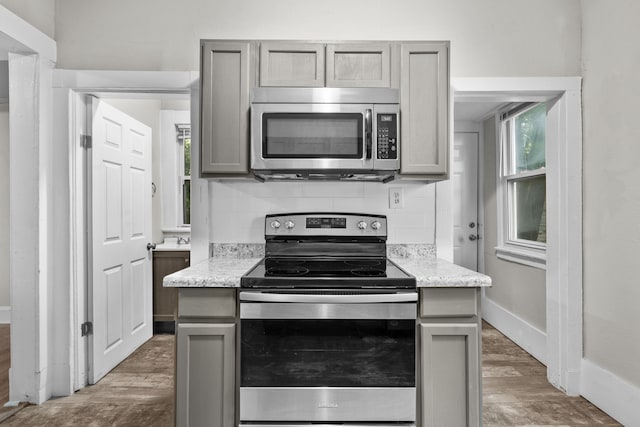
[328,353]
[312,135]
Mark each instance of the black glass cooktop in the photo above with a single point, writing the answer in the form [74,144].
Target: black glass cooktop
[305,272]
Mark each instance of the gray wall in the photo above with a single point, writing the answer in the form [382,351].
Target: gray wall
[488,38]
[39,13]
[517,288]
[611,135]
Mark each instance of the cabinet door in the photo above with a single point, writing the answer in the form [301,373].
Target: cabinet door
[358,65]
[165,300]
[205,375]
[424,105]
[224,107]
[292,64]
[449,370]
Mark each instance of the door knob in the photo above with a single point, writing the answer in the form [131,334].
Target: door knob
[151,246]
[472,225]
[473,237]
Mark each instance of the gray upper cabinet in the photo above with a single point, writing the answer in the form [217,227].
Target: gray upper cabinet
[424,105]
[358,65]
[229,69]
[224,107]
[292,64]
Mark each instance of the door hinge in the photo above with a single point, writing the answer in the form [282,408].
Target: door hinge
[86,328]
[85,141]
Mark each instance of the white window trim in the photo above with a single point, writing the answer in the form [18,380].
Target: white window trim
[181,179]
[525,252]
[171,178]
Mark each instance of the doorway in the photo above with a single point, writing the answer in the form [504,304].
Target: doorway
[115,321]
[466,233]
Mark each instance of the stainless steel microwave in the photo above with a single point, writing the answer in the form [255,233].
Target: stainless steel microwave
[325,133]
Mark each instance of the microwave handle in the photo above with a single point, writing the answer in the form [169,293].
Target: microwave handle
[367,132]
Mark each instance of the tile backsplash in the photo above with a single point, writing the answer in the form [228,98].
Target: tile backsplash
[237,208]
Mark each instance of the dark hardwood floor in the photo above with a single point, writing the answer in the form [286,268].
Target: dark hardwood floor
[516,392]
[139,392]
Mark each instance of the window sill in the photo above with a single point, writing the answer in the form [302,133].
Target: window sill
[529,257]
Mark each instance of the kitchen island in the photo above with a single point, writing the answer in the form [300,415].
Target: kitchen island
[448,377]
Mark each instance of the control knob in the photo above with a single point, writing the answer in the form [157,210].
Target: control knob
[275,224]
[376,225]
[362,225]
[289,225]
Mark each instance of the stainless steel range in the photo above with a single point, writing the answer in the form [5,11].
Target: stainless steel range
[327,325]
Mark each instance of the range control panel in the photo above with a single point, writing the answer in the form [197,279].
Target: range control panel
[387,133]
[325,224]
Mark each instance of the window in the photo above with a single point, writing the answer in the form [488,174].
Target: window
[522,184]
[183,137]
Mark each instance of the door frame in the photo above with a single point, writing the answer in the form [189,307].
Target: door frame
[564,341]
[72,87]
[32,56]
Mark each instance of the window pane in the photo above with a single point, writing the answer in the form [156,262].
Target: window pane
[187,156]
[186,202]
[530,138]
[530,209]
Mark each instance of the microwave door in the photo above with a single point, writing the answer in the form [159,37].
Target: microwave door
[307,137]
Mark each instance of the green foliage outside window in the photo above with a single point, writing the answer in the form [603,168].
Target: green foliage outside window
[530,139]
[528,191]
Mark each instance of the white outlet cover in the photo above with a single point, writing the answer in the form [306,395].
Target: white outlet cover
[396,198]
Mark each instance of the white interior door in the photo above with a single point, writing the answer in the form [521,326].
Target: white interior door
[465,185]
[120,293]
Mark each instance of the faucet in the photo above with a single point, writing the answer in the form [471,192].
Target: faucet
[182,240]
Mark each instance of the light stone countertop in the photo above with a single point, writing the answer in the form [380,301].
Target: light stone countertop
[221,272]
[217,272]
[438,273]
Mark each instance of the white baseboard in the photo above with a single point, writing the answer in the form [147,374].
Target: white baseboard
[527,336]
[5,314]
[618,398]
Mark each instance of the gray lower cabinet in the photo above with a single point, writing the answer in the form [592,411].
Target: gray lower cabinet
[424,105]
[206,358]
[226,80]
[449,358]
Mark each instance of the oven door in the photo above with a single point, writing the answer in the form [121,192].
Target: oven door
[327,358]
[311,137]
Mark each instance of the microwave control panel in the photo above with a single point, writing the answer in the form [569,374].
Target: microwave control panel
[387,127]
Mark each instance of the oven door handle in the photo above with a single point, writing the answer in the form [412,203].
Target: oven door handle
[329,299]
